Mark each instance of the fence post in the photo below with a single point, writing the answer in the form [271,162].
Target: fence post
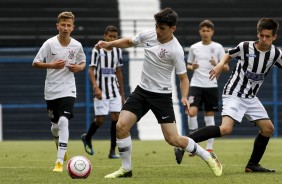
[275,101]
[88,90]
[1,124]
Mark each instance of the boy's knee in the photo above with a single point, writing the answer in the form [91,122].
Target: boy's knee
[224,130]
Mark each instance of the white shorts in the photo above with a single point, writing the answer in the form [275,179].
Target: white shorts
[237,108]
[103,107]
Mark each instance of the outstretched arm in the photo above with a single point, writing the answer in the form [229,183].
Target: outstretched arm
[216,71]
[120,43]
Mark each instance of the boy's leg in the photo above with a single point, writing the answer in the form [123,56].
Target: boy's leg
[199,136]
[258,151]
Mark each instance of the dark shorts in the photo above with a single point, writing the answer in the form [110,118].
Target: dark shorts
[204,96]
[60,107]
[141,101]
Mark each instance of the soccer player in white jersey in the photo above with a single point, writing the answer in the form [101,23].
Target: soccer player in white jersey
[255,60]
[62,56]
[106,78]
[202,57]
[163,54]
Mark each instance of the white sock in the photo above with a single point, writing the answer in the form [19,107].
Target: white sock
[125,150]
[55,129]
[209,122]
[192,124]
[55,132]
[63,138]
[193,147]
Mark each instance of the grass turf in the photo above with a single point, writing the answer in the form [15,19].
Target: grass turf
[26,162]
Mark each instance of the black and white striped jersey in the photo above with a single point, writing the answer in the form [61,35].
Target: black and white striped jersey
[251,69]
[105,64]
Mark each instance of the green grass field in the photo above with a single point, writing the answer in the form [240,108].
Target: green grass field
[31,162]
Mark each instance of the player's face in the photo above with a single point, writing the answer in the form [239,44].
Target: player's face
[110,36]
[265,38]
[164,32]
[206,33]
[65,27]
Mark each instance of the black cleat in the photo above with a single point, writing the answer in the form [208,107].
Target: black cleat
[257,168]
[87,146]
[113,156]
[178,154]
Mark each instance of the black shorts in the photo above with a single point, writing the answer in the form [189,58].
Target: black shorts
[60,107]
[141,101]
[204,96]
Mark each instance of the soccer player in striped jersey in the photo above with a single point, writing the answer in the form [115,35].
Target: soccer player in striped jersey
[162,54]
[62,56]
[106,78]
[255,60]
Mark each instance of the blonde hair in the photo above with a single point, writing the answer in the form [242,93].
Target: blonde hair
[65,15]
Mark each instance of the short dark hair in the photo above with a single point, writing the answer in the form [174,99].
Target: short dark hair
[269,24]
[111,28]
[166,16]
[206,23]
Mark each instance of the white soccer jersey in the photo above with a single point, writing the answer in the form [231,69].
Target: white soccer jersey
[105,64]
[202,54]
[251,69]
[60,82]
[159,62]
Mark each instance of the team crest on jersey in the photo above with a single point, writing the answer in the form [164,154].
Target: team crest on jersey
[71,54]
[162,53]
[212,51]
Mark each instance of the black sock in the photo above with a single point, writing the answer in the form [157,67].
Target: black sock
[91,131]
[113,136]
[192,131]
[205,133]
[259,148]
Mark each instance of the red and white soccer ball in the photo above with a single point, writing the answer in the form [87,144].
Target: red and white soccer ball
[79,167]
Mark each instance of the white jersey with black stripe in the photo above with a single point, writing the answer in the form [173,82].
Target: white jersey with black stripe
[251,69]
[60,82]
[159,62]
[105,64]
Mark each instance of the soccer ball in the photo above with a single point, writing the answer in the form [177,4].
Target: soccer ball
[79,167]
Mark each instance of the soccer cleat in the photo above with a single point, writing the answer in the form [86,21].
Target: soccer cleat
[66,156]
[178,154]
[113,156]
[257,168]
[121,173]
[208,150]
[58,167]
[87,147]
[214,164]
